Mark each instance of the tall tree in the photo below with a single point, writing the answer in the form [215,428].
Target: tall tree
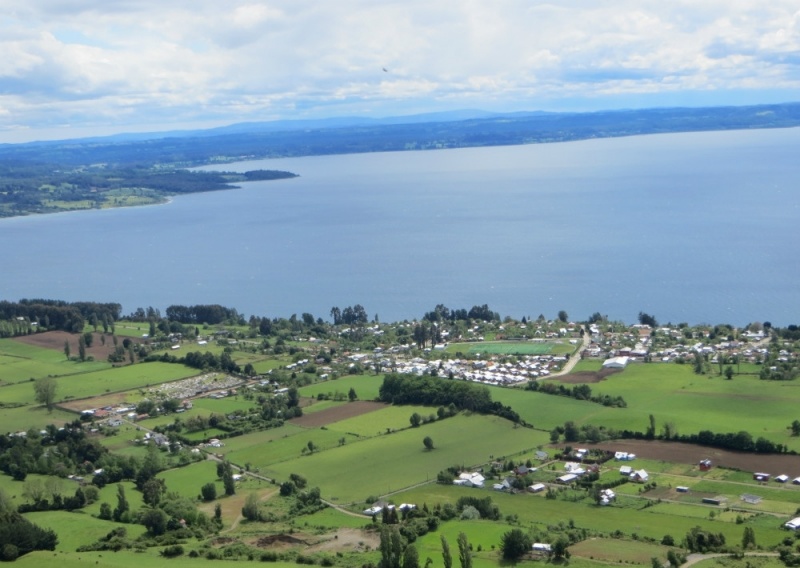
[227,479]
[45,392]
[446,556]
[82,348]
[749,538]
[122,505]
[514,544]
[67,349]
[411,557]
[464,556]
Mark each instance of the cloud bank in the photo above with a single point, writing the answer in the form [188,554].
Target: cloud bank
[73,66]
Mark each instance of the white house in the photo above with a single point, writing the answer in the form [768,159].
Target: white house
[536,487]
[640,476]
[470,480]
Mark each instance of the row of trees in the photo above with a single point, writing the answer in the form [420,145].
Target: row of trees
[211,314]
[578,392]
[442,313]
[433,391]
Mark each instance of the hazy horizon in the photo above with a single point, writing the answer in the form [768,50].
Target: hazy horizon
[82,68]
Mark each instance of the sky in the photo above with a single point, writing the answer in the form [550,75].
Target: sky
[73,68]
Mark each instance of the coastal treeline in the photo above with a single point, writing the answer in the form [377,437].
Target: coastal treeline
[201,313]
[50,187]
[31,315]
[435,391]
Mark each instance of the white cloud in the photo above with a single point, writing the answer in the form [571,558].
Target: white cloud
[127,62]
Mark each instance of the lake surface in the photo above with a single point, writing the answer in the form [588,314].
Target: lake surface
[698,227]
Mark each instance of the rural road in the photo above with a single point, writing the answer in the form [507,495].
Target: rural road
[573,360]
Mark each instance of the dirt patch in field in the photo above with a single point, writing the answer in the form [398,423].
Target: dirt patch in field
[691,454]
[583,377]
[55,340]
[337,413]
[348,540]
[280,541]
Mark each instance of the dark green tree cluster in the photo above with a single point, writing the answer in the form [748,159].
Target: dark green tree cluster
[56,452]
[351,315]
[49,314]
[208,361]
[203,313]
[578,392]
[19,536]
[433,391]
[703,541]
[442,313]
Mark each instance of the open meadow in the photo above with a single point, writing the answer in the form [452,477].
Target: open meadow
[390,462]
[365,451]
[671,393]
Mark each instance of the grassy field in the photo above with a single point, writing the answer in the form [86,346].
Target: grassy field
[366,386]
[672,393]
[376,423]
[78,528]
[536,510]
[378,455]
[383,464]
[20,361]
[503,348]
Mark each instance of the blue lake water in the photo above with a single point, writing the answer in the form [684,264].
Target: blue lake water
[697,227]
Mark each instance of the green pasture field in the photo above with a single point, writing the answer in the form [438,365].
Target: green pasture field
[486,534]
[746,562]
[257,439]
[315,405]
[26,417]
[330,518]
[124,329]
[127,559]
[673,393]
[201,407]
[387,463]
[130,377]
[108,494]
[221,405]
[123,439]
[267,365]
[21,362]
[645,522]
[619,550]
[366,386]
[376,423]
[267,450]
[508,348]
[187,480]
[78,528]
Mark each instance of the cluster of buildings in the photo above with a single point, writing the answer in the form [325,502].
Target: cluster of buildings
[487,371]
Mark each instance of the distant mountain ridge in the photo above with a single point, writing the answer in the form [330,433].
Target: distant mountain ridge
[454,129]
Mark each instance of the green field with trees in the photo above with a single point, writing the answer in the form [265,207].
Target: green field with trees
[253,443]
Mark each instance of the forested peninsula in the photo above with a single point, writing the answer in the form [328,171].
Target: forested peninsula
[44,188]
[125,170]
